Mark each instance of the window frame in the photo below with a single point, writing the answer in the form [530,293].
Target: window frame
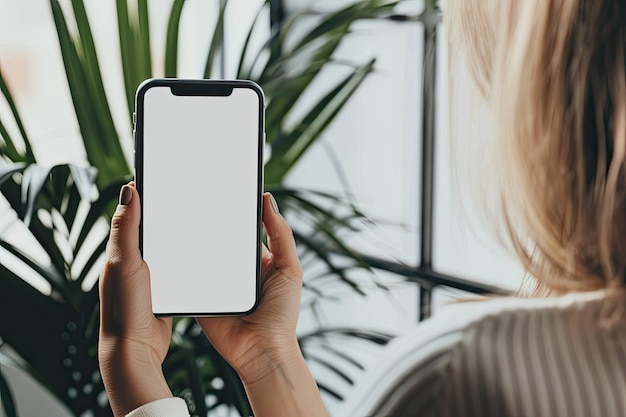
[423,274]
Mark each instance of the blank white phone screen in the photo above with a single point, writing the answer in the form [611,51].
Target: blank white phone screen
[200,200]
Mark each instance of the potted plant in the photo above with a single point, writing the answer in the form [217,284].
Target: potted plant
[66,208]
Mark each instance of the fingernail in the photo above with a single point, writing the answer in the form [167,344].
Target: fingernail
[274,204]
[126,194]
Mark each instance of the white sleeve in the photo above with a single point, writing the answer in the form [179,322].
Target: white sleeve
[166,407]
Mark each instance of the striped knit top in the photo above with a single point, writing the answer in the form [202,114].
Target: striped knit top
[552,357]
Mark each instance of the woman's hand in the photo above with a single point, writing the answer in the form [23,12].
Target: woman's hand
[262,346]
[133,342]
[259,343]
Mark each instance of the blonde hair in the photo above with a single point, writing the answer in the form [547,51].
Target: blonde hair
[552,75]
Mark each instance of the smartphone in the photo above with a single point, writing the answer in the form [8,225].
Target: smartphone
[199,172]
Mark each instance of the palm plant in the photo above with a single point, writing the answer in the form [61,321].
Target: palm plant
[66,208]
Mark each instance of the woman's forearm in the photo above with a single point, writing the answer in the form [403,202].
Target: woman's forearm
[132,378]
[287,390]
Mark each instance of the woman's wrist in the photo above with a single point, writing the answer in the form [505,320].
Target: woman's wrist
[267,359]
[132,376]
[281,385]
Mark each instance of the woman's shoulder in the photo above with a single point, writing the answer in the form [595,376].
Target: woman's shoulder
[428,350]
[452,322]
[464,314]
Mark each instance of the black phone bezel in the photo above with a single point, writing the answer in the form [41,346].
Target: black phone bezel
[201,87]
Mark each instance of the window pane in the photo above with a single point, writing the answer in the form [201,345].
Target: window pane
[375,140]
[462,245]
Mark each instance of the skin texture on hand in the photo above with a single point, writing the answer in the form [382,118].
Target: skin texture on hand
[257,343]
[262,347]
[133,342]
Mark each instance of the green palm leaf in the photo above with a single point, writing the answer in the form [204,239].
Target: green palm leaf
[171,43]
[143,38]
[127,52]
[9,147]
[6,397]
[289,148]
[286,68]
[216,41]
[100,138]
[134,41]
[246,44]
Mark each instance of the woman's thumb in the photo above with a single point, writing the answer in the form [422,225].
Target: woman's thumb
[124,238]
